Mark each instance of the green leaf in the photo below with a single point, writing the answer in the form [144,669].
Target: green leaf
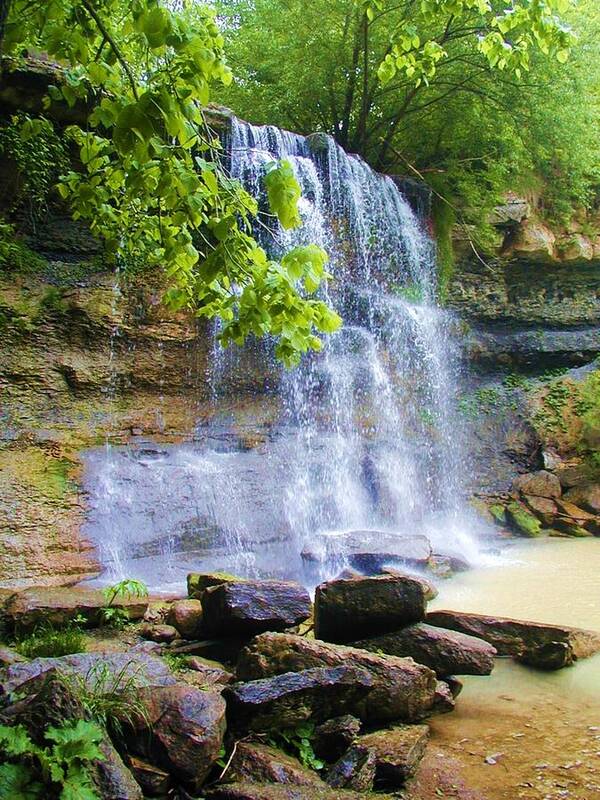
[18,783]
[283,191]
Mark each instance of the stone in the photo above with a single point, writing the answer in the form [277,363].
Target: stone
[60,605]
[225,651]
[443,701]
[181,732]
[401,689]
[197,582]
[534,240]
[512,637]
[285,701]
[447,652]
[186,616]
[369,551]
[155,782]
[457,562]
[521,521]
[429,589]
[347,609]
[398,752]
[159,633]
[575,475]
[331,739]
[539,484]
[543,508]
[9,656]
[274,791]
[259,763]
[354,770]
[549,656]
[211,671]
[587,497]
[454,684]
[570,527]
[571,510]
[245,608]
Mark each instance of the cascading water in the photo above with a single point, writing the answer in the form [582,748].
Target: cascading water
[368,437]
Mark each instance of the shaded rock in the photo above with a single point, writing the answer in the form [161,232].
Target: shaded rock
[182,731]
[429,589]
[401,689]
[197,582]
[538,484]
[274,791]
[186,616]
[513,637]
[543,508]
[155,782]
[549,656]
[159,633]
[362,606]
[443,701]
[249,607]
[332,738]
[571,527]
[576,475]
[211,671]
[521,521]
[445,651]
[259,763]
[284,701]
[398,752]
[587,497]
[222,650]
[9,656]
[60,605]
[571,510]
[454,684]
[368,551]
[457,562]
[113,779]
[354,770]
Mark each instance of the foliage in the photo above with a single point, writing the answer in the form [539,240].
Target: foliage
[16,256]
[126,589]
[152,185]
[57,769]
[298,740]
[46,641]
[175,661]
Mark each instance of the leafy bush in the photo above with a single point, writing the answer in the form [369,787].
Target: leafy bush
[123,590]
[298,740]
[16,256]
[46,641]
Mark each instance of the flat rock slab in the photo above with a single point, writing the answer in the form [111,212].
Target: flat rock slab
[538,484]
[349,609]
[256,791]
[521,638]
[447,652]
[60,605]
[287,700]
[355,770]
[398,752]
[369,550]
[259,763]
[141,668]
[245,608]
[401,689]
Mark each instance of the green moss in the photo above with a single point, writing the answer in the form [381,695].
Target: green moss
[46,641]
[498,512]
[443,218]
[522,522]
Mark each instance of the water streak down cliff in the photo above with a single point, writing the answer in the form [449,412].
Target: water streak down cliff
[366,435]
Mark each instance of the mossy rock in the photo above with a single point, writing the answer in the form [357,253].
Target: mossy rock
[522,522]
[498,513]
[198,582]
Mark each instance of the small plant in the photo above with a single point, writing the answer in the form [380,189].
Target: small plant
[46,641]
[123,590]
[175,661]
[299,741]
[60,769]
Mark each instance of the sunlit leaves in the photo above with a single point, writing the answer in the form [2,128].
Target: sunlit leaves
[283,191]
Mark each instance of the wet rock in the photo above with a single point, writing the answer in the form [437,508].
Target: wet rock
[443,701]
[259,763]
[345,610]
[332,738]
[445,651]
[576,475]
[401,689]
[543,508]
[457,562]
[454,684]
[576,513]
[60,605]
[549,656]
[521,521]
[245,608]
[182,731]
[211,671]
[513,637]
[141,668]
[159,633]
[354,770]
[369,551]
[538,484]
[186,616]
[398,752]
[274,791]
[155,782]
[429,589]
[570,527]
[198,582]
[587,497]
[285,701]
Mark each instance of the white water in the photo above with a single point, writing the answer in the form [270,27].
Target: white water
[368,436]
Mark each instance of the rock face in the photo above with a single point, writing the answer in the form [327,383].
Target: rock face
[285,701]
[445,651]
[183,731]
[60,605]
[345,609]
[186,616]
[588,497]
[401,689]
[249,607]
[334,737]
[368,551]
[398,752]
[535,642]
[256,791]
[538,484]
[259,763]
[354,770]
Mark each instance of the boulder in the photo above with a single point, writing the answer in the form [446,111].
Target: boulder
[211,671]
[154,781]
[332,738]
[347,609]
[571,527]
[275,791]
[443,701]
[521,521]
[259,763]
[159,633]
[587,497]
[445,651]
[543,508]
[397,751]
[245,608]
[549,656]
[285,701]
[368,551]
[573,511]
[512,637]
[60,605]
[355,769]
[225,651]
[401,689]
[538,484]
[197,582]
[429,589]
[9,656]
[186,616]
[181,732]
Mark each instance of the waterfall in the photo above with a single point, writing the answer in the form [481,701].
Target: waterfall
[368,436]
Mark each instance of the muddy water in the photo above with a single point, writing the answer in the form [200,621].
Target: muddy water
[522,733]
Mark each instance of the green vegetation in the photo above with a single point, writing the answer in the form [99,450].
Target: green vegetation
[47,641]
[57,769]
[298,741]
[126,589]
